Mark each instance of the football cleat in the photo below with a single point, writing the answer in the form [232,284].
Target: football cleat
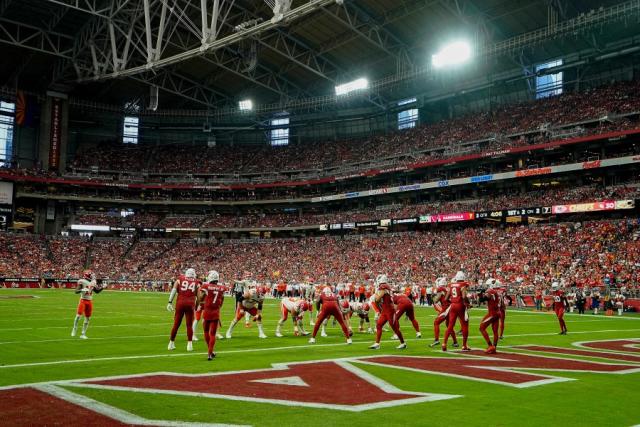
[262,336]
[465,348]
[172,346]
[455,345]
[501,337]
[189,346]
[394,337]
[219,336]
[435,343]
[279,335]
[402,346]
[349,341]
[418,335]
[323,334]
[83,337]
[490,350]
[369,331]
[73,332]
[228,335]
[374,346]
[211,356]
[312,340]
[195,338]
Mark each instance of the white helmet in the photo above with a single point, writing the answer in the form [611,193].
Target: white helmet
[490,282]
[459,277]
[213,276]
[555,285]
[382,278]
[190,273]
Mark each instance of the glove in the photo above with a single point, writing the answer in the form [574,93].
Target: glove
[169,307]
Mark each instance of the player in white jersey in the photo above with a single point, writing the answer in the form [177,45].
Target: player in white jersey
[86,287]
[296,308]
[361,309]
[251,303]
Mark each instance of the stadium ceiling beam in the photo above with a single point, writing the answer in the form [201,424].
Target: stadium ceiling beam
[35,38]
[210,45]
[100,8]
[373,32]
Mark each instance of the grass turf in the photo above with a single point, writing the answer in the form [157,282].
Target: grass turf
[129,334]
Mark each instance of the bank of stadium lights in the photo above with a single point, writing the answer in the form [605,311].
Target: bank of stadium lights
[245,105]
[455,53]
[347,88]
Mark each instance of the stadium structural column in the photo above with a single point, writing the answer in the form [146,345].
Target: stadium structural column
[54,132]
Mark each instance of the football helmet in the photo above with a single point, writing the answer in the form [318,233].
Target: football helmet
[460,277]
[213,276]
[365,306]
[190,273]
[382,278]
[87,274]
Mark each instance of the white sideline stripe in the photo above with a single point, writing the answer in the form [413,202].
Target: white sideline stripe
[116,413]
[92,326]
[256,350]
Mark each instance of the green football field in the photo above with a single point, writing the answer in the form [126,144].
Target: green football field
[129,335]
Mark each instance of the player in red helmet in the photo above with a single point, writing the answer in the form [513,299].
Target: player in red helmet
[86,288]
[296,308]
[457,296]
[387,312]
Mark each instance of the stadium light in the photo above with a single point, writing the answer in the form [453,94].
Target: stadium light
[452,54]
[347,88]
[245,105]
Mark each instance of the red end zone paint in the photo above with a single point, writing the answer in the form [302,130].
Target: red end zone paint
[30,407]
[337,385]
[588,353]
[503,368]
[617,345]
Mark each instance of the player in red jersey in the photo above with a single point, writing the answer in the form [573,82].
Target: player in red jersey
[441,305]
[404,305]
[492,318]
[387,312]
[186,286]
[86,287]
[559,304]
[211,296]
[459,304]
[329,302]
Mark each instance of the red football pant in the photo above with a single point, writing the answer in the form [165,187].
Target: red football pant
[560,314]
[183,310]
[502,314]
[325,312]
[408,310]
[456,311]
[492,319]
[210,330]
[441,317]
[388,316]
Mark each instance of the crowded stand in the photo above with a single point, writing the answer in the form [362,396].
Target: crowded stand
[505,126]
[575,254]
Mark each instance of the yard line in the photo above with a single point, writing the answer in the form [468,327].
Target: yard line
[255,350]
[92,326]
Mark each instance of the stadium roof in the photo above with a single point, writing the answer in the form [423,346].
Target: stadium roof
[54,43]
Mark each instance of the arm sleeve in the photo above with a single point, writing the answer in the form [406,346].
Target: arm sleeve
[172,295]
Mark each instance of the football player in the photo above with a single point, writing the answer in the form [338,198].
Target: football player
[387,312]
[186,286]
[362,310]
[492,318]
[296,308]
[404,305]
[329,307]
[211,296]
[619,303]
[441,305]
[251,303]
[458,309]
[559,304]
[86,287]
